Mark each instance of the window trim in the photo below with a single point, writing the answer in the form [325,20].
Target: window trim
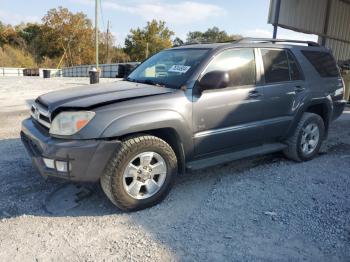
[263,67]
[257,69]
[298,66]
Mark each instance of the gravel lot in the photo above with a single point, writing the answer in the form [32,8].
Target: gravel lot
[259,209]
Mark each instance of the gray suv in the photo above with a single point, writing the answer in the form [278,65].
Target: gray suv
[187,107]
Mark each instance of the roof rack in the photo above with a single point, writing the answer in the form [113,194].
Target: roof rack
[270,40]
[251,40]
[195,42]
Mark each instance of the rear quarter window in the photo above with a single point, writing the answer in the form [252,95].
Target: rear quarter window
[323,62]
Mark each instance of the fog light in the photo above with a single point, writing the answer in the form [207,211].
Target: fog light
[49,163]
[62,166]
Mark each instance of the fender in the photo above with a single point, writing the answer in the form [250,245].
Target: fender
[326,102]
[148,121]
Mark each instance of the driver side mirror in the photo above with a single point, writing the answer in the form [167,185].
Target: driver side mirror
[214,80]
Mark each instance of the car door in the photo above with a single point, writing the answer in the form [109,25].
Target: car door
[229,118]
[284,88]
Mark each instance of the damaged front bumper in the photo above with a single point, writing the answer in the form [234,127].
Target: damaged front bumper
[76,160]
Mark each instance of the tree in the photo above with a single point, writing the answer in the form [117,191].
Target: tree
[147,41]
[211,35]
[104,43]
[2,38]
[119,56]
[9,35]
[32,35]
[68,35]
[178,41]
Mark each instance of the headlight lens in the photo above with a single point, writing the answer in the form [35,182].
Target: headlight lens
[69,123]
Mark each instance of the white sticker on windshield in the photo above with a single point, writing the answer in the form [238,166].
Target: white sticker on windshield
[179,69]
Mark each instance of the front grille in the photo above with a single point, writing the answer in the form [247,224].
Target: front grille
[41,115]
[44,118]
[32,148]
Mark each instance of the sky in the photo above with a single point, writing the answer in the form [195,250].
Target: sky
[245,17]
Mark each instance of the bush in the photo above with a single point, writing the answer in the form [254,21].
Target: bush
[13,57]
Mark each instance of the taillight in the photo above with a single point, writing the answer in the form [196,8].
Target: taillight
[343,84]
[340,88]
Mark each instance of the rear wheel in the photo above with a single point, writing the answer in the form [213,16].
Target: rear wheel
[307,138]
[140,174]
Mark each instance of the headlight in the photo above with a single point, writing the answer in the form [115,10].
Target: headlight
[69,123]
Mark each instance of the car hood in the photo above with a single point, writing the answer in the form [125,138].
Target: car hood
[99,94]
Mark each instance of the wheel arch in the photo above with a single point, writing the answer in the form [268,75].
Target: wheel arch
[171,136]
[323,108]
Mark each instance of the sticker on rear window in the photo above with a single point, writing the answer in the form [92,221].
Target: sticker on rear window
[179,69]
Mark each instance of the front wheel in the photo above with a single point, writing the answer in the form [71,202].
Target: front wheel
[307,138]
[140,174]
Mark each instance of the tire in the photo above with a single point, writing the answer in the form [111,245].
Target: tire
[299,147]
[126,171]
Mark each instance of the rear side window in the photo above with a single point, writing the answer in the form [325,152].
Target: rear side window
[239,63]
[323,62]
[295,73]
[275,65]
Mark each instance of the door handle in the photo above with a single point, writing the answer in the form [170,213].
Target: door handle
[254,94]
[299,89]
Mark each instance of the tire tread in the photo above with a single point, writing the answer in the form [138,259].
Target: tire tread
[291,151]
[107,182]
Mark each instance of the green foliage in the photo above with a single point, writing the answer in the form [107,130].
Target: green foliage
[211,35]
[156,36]
[9,35]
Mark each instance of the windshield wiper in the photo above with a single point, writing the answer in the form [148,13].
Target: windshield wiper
[151,82]
[130,79]
[146,81]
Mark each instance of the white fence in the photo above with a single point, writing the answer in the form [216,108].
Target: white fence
[11,71]
[19,71]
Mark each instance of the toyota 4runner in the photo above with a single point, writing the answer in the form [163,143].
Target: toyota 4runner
[187,107]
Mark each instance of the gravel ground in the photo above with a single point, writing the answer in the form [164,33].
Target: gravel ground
[258,209]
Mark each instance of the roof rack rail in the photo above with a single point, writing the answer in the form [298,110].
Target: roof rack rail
[195,42]
[271,40]
[251,40]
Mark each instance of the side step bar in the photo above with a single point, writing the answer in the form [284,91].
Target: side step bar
[228,157]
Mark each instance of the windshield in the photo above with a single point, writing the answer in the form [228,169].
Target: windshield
[170,68]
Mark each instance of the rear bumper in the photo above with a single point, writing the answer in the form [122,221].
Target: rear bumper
[338,108]
[87,158]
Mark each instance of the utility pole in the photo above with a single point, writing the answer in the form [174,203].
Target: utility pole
[97,8]
[147,51]
[277,15]
[107,55]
